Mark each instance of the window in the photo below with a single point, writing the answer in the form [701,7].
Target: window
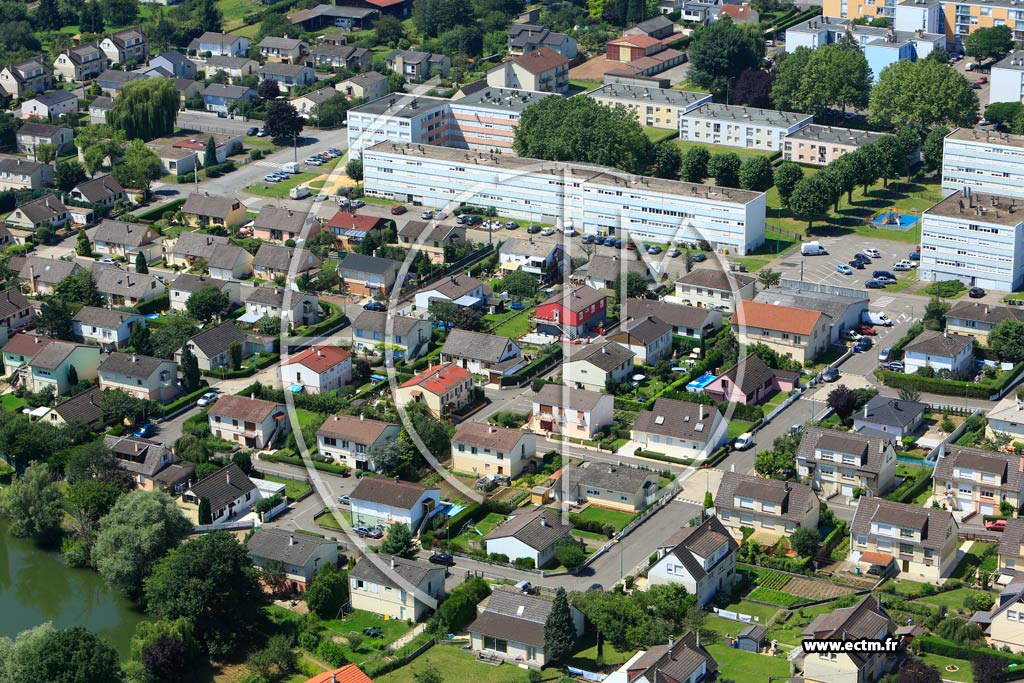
[495,644]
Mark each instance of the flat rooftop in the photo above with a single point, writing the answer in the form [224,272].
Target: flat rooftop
[986,136]
[731,112]
[839,136]
[1014,60]
[980,207]
[501,99]
[865,35]
[636,93]
[587,173]
[400,106]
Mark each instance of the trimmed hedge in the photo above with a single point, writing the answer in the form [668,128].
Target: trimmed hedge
[281,457]
[905,492]
[934,385]
[915,329]
[180,403]
[944,648]
[161,211]
[155,305]
[266,360]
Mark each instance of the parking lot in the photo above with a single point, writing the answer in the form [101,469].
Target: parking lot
[822,269]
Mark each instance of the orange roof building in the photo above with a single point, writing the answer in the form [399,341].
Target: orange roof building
[443,388]
[796,333]
[317,369]
[350,673]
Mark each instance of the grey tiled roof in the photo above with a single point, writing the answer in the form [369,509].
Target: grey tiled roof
[893,412]
[1005,466]
[712,278]
[677,419]
[293,549]
[103,318]
[131,365]
[381,490]
[538,527]
[691,545]
[863,621]
[755,373]
[223,486]
[216,340]
[676,315]
[513,615]
[933,524]
[1012,539]
[475,345]
[793,499]
[606,355]
[413,571]
[140,456]
[935,343]
[578,399]
[869,450]
[279,257]
[609,477]
[375,321]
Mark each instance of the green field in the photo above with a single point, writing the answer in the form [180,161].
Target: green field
[742,152]
[293,489]
[280,190]
[12,402]
[458,666]
[775,597]
[585,656]
[355,622]
[657,135]
[965,674]
[953,599]
[602,516]
[737,427]
[234,11]
[484,527]
[748,667]
[970,560]
[790,631]
[763,612]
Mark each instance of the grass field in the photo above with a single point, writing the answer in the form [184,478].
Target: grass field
[657,135]
[790,631]
[684,145]
[514,326]
[455,665]
[775,597]
[484,526]
[293,489]
[603,516]
[590,536]
[953,599]
[586,655]
[748,667]
[280,190]
[763,612]
[971,560]
[355,622]
[737,427]
[234,11]
[583,86]
[12,402]
[965,674]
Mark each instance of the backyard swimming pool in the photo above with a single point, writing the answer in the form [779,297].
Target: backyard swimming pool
[696,386]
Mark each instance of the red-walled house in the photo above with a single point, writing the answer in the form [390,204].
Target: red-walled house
[572,315]
[629,48]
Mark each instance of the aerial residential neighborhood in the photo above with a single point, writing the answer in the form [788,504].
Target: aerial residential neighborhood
[431,341]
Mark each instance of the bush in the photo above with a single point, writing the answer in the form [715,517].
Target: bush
[945,288]
[331,653]
[309,641]
[524,563]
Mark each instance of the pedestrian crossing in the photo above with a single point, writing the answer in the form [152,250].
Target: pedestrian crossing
[885,301]
[267,164]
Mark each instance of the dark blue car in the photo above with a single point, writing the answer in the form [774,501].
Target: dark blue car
[145,431]
[609,241]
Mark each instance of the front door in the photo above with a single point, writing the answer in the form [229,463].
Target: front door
[501,470]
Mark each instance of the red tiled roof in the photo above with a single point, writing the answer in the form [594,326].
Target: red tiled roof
[26,344]
[350,673]
[354,221]
[439,379]
[319,358]
[539,61]
[772,317]
[737,12]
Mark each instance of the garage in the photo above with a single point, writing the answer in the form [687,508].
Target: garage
[986,509]
[847,490]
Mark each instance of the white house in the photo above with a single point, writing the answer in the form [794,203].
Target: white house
[405,336]
[484,449]
[318,369]
[683,660]
[649,338]
[702,558]
[939,351]
[680,429]
[292,308]
[591,366]
[570,412]
[543,259]
[348,439]
[250,422]
[529,533]
[106,327]
[478,352]
[228,491]
[461,290]
[377,500]
[300,555]
[395,587]
[510,625]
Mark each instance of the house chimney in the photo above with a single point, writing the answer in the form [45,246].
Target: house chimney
[361,416]
[396,479]
[135,359]
[252,396]
[227,478]
[865,411]
[393,563]
[291,539]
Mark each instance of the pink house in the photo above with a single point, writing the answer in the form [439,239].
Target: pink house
[756,383]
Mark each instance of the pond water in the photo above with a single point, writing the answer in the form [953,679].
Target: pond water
[36,587]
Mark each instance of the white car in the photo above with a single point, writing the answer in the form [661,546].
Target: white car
[873,253]
[744,441]
[902,266]
[547,232]
[272,178]
[427,215]
[206,399]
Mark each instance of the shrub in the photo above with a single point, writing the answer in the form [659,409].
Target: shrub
[309,641]
[524,563]
[331,653]
[945,288]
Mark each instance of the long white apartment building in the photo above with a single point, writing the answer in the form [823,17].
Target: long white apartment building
[976,238]
[983,161]
[743,127]
[485,119]
[653,107]
[595,199]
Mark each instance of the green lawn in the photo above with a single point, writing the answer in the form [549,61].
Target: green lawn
[583,85]
[602,516]
[458,666]
[235,10]
[748,667]
[737,427]
[659,134]
[293,489]
[965,674]
[790,631]
[514,326]
[280,190]
[744,153]
[585,656]
[484,527]
[589,535]
[763,612]
[953,599]
[12,402]
[970,560]
[370,648]
[327,520]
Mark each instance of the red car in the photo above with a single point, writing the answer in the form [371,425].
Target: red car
[996,525]
[866,329]
[983,80]
[398,210]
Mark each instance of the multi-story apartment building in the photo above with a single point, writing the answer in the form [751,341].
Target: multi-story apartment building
[921,542]
[975,238]
[487,119]
[745,127]
[842,462]
[542,70]
[653,107]
[770,507]
[795,333]
[983,161]
[596,199]
[976,480]
[821,145]
[881,46]
[1007,79]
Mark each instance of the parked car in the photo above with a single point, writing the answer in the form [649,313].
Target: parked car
[145,431]
[844,269]
[375,306]
[996,525]
[700,257]
[859,265]
[873,253]
[863,344]
[902,267]
[206,399]
[850,335]
[884,276]
[344,500]
[654,249]
[272,178]
[743,441]
[865,328]
[862,258]
[398,210]
[262,133]
[976,292]
[609,241]
[883,355]
[252,130]
[358,203]
[983,80]
[914,256]
[630,245]
[511,225]
[894,366]
[443,559]
[427,215]
[533,229]
[875,284]
[673,253]
[374,532]
[830,374]
[547,232]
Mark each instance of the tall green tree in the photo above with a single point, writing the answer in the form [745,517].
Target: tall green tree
[433,17]
[140,166]
[891,158]
[54,320]
[756,174]
[190,375]
[282,121]
[327,593]
[559,629]
[695,164]
[140,339]
[398,541]
[210,153]
[32,504]
[72,655]
[583,130]
[993,42]
[725,169]
[931,151]
[91,20]
[331,112]
[141,266]
[235,354]
[805,541]
[810,199]
[145,108]
[389,30]
[922,94]
[47,15]
[842,174]
[120,12]
[1007,341]
[668,160]
[207,303]
[212,582]
[721,52]
[833,75]
[207,16]
[83,246]
[68,173]
[786,177]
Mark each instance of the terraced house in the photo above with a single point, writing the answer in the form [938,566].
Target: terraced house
[976,480]
[771,508]
[846,464]
[920,542]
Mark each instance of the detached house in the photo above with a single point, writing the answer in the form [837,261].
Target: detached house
[702,558]
[683,661]
[348,439]
[570,412]
[307,105]
[865,621]
[602,272]
[349,229]
[337,55]
[145,377]
[204,210]
[236,68]
[108,328]
[395,587]
[186,284]
[378,500]
[751,382]
[190,247]
[369,85]
[976,480]
[939,351]
[591,366]
[444,389]
[713,288]
[846,464]
[607,486]
[921,542]
[278,224]
[686,321]
[175,63]
[368,275]
[31,134]
[510,625]
[274,260]
[484,449]
[122,288]
[229,493]
[572,314]
[680,429]
[270,302]
[461,290]
[406,337]
[300,556]
[51,366]
[1011,543]
[127,240]
[795,333]
[24,78]
[318,369]
[15,312]
[529,533]
[249,422]
[50,106]
[541,259]
[286,75]
[771,508]
[128,45]
[978,319]
[21,348]
[48,211]
[103,190]
[649,338]
[478,352]
[889,418]
[438,237]
[1002,624]
[42,274]
[220,45]
[418,66]
[211,346]
[19,174]
[142,458]
[227,98]
[287,50]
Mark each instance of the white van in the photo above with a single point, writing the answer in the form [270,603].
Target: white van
[813,249]
[876,318]
[290,167]
[298,192]
[743,441]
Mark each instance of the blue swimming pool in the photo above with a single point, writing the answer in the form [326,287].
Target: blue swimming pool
[450,509]
[696,386]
